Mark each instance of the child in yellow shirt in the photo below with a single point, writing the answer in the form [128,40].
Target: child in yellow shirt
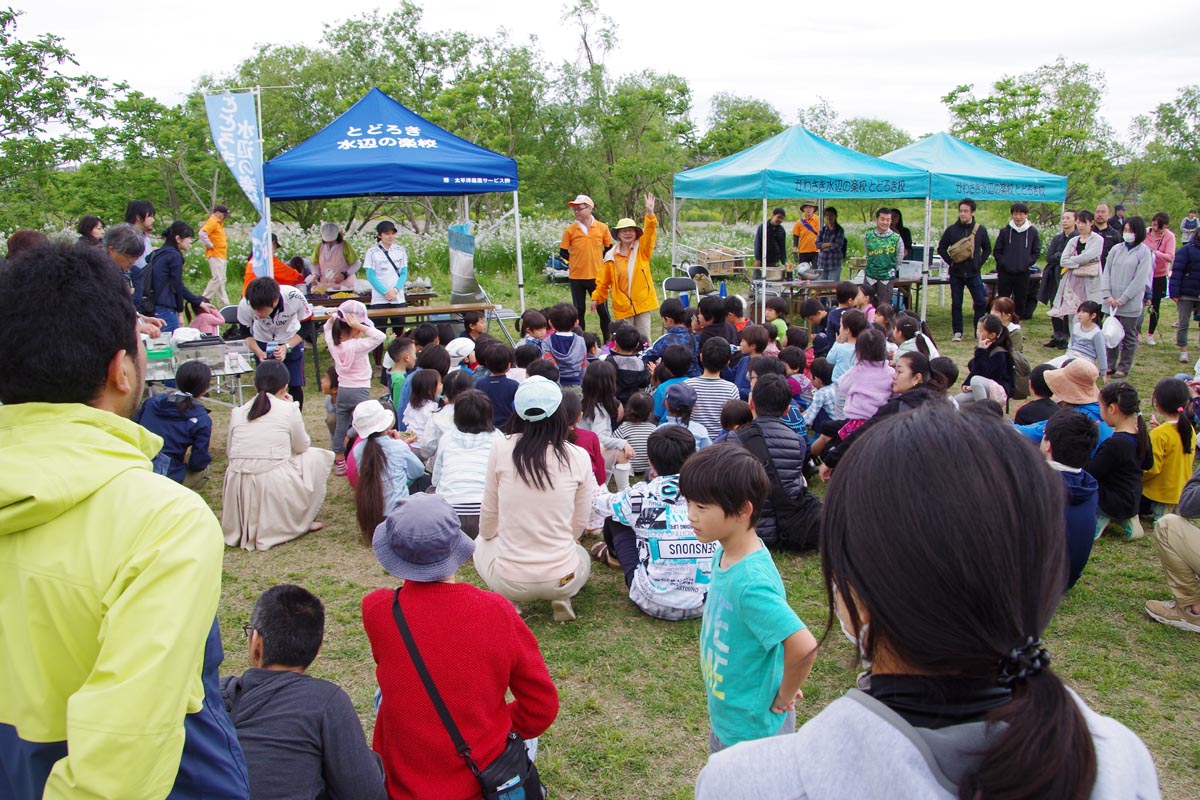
[1171,440]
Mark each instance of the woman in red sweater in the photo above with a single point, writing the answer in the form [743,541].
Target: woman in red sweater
[474,645]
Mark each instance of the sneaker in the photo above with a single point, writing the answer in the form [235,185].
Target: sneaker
[1183,357]
[957,337]
[1150,340]
[1132,528]
[1169,613]
[563,612]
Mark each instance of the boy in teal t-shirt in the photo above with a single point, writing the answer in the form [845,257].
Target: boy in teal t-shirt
[755,653]
[403,352]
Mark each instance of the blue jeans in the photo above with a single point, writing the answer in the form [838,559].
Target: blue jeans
[974,284]
[169,316]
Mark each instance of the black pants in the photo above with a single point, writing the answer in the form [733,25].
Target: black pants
[622,542]
[581,297]
[1014,286]
[1158,290]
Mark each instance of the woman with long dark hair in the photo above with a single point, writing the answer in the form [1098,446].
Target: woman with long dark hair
[536,503]
[164,277]
[274,482]
[959,699]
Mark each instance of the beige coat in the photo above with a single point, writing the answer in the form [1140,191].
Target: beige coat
[275,482]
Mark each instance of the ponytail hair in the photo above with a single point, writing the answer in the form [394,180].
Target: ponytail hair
[368,494]
[341,329]
[1124,396]
[1006,582]
[1173,396]
[269,378]
[193,379]
[910,328]
[992,324]
[1005,305]
[943,374]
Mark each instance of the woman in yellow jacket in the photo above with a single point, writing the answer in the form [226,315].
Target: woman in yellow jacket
[626,272]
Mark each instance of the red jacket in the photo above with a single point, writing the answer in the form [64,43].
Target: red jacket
[476,648]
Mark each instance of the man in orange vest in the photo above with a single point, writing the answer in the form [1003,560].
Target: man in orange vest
[584,243]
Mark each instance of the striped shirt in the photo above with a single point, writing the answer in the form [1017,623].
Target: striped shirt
[711,396]
[460,468]
[636,434]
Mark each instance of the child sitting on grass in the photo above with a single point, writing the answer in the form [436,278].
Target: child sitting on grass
[523,356]
[531,327]
[681,399]
[676,331]
[564,347]
[632,373]
[1120,461]
[1041,407]
[636,429]
[647,530]
[755,653]
[777,309]
[735,415]
[184,425]
[824,402]
[1172,441]
[1068,443]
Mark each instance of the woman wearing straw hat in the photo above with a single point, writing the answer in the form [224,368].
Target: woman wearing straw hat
[625,273]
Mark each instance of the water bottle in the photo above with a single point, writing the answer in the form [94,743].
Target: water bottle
[683,298]
[724,291]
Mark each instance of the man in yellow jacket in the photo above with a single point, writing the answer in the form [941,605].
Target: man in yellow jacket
[625,273]
[109,574]
[216,250]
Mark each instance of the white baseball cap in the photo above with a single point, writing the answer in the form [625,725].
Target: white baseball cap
[582,200]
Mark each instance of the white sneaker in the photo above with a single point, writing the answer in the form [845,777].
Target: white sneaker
[1183,357]
[956,337]
[1150,340]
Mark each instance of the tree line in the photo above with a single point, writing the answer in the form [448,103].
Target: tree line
[72,143]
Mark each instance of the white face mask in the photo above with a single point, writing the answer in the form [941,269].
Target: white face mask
[1129,237]
[857,641]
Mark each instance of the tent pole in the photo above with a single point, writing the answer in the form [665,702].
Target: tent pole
[520,261]
[266,212]
[762,260]
[945,224]
[926,257]
[674,254]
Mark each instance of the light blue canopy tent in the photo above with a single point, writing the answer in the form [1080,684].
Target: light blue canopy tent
[958,169]
[798,163]
[379,147]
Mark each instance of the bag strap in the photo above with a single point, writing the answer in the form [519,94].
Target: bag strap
[756,443]
[388,256]
[460,744]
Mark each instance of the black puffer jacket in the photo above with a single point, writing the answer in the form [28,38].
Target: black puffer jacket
[788,453]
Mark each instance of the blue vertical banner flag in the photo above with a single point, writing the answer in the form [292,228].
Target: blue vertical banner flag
[233,119]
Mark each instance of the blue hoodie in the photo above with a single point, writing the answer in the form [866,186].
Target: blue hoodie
[1081,506]
[569,353]
[180,431]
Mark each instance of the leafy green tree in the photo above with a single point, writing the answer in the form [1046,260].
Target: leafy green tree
[1048,119]
[45,111]
[736,123]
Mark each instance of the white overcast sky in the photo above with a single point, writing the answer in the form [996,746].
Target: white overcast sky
[892,60]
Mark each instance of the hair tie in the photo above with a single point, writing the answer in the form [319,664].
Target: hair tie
[1023,661]
[185,394]
[1179,410]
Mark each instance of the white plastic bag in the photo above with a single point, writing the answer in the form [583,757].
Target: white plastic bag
[1113,331]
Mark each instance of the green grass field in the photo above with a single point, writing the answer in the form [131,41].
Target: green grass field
[633,721]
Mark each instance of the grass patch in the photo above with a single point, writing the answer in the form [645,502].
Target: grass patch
[633,720]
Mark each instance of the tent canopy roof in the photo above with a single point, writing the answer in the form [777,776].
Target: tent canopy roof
[379,147]
[798,163]
[962,170]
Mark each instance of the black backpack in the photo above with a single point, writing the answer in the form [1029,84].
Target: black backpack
[150,292]
[797,514]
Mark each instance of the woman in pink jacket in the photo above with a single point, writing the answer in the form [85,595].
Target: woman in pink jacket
[1161,240]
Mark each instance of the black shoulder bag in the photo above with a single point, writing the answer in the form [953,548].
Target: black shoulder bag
[512,774]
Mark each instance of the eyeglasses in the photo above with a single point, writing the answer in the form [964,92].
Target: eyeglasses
[247,629]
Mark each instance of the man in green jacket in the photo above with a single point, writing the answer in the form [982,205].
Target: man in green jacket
[109,574]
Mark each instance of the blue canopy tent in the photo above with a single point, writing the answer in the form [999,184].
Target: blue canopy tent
[958,169]
[379,147]
[798,163]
